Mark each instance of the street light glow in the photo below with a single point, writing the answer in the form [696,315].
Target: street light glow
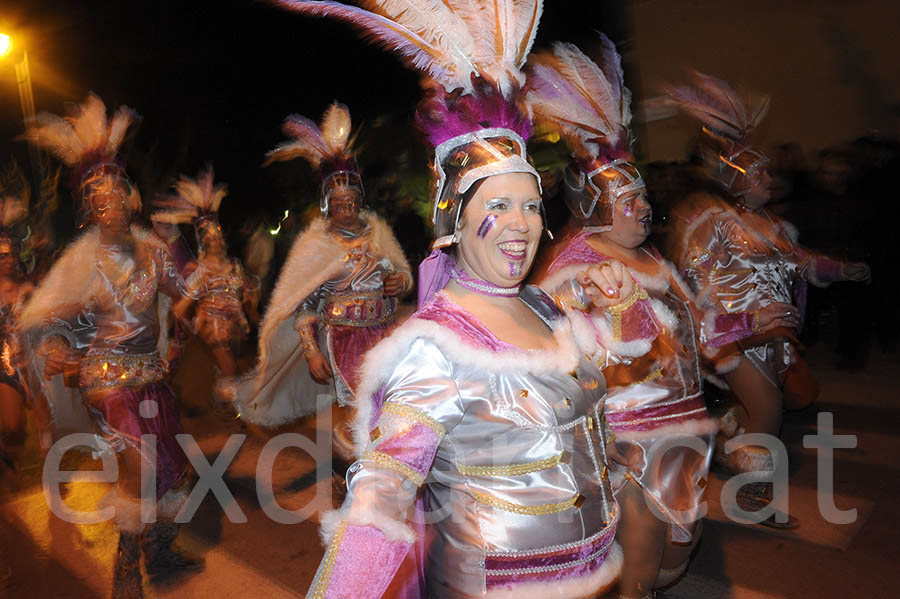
[5,44]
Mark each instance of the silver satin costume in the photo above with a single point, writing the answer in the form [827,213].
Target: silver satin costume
[220,318]
[505,447]
[742,261]
[353,297]
[652,369]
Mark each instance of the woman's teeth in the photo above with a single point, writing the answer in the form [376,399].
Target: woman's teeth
[513,249]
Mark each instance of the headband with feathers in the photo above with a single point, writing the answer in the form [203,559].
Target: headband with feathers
[723,112]
[471,52]
[85,139]
[194,199]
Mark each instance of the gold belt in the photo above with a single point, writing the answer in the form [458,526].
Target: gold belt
[359,310]
[106,370]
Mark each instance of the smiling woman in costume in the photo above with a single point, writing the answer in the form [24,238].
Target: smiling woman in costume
[482,408]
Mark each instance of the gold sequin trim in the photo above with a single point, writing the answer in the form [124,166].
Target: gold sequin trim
[328,561]
[637,295]
[650,377]
[387,461]
[755,326]
[616,311]
[514,469]
[570,302]
[410,413]
[528,510]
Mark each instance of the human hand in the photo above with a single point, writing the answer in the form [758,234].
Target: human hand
[607,283]
[393,283]
[857,271]
[319,369]
[777,315]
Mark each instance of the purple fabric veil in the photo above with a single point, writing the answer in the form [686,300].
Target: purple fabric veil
[434,272]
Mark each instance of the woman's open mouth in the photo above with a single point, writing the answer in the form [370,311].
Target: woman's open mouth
[514,250]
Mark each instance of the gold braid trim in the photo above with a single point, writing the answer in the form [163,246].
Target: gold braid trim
[650,377]
[527,510]
[616,311]
[511,469]
[392,463]
[410,413]
[328,563]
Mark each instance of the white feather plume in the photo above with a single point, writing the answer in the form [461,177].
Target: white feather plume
[83,134]
[719,107]
[193,198]
[578,98]
[447,40]
[312,142]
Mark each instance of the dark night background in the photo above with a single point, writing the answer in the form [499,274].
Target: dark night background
[214,80]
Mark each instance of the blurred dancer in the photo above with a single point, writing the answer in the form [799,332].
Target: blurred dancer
[15,289]
[337,294]
[225,294]
[654,408]
[739,257]
[97,313]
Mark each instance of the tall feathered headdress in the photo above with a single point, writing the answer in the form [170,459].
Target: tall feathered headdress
[471,52]
[194,199]
[728,119]
[328,148]
[589,106]
[88,143]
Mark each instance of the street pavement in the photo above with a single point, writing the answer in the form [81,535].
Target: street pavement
[41,556]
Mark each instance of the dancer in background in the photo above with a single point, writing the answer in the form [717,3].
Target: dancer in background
[741,258]
[16,385]
[97,314]
[654,408]
[337,294]
[226,297]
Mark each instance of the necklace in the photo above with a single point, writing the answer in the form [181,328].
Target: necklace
[481,286]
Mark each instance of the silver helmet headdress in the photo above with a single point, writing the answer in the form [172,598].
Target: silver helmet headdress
[728,119]
[327,147]
[589,107]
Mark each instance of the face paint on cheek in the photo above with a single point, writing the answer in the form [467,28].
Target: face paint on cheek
[629,209]
[486,225]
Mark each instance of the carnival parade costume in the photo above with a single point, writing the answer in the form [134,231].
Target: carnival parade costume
[330,296]
[654,407]
[105,300]
[221,287]
[15,373]
[502,449]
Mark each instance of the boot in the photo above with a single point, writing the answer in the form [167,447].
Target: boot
[753,497]
[159,557]
[127,583]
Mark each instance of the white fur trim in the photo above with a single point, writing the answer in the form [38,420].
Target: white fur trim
[729,364]
[554,281]
[379,360]
[706,426]
[666,317]
[393,530]
[73,280]
[631,349]
[583,587]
